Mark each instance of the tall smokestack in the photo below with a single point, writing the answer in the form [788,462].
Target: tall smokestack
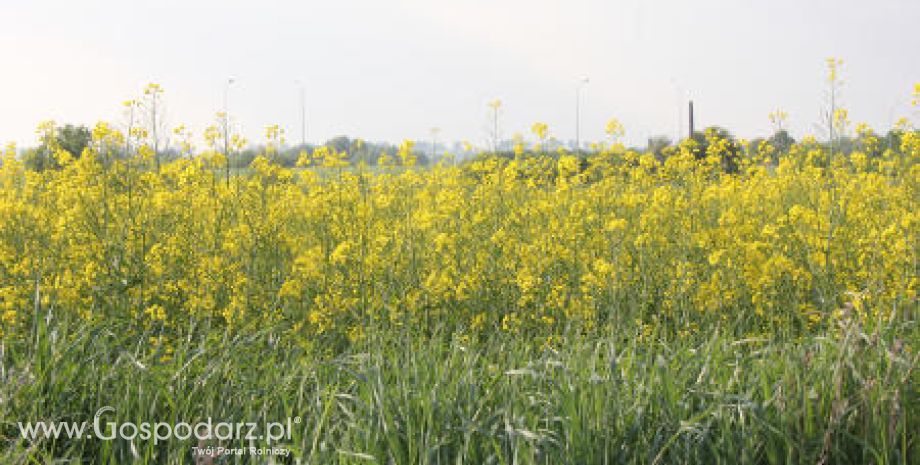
[691,118]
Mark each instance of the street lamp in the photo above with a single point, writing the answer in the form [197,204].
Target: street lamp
[303,114]
[434,141]
[581,83]
[226,128]
[227,85]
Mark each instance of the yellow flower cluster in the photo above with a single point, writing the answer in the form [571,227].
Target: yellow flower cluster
[534,245]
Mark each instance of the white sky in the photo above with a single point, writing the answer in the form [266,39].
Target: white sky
[390,70]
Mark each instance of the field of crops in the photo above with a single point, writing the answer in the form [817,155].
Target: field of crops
[713,304]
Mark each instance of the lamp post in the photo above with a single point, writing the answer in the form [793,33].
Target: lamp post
[303,114]
[581,83]
[434,141]
[226,124]
[227,85]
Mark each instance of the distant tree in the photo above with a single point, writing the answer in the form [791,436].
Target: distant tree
[74,139]
[781,141]
[656,146]
[36,159]
[339,143]
[892,140]
[362,151]
[729,149]
[71,138]
[845,144]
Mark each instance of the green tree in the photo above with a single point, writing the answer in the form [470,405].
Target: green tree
[71,138]
[74,139]
[730,155]
[781,141]
[656,146]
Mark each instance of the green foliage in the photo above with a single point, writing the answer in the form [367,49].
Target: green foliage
[781,141]
[657,146]
[707,399]
[74,139]
[71,138]
[730,152]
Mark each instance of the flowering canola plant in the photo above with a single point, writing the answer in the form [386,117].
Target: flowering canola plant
[540,245]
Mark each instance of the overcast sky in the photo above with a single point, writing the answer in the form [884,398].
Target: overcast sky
[390,70]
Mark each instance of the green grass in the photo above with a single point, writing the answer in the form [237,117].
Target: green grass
[844,397]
